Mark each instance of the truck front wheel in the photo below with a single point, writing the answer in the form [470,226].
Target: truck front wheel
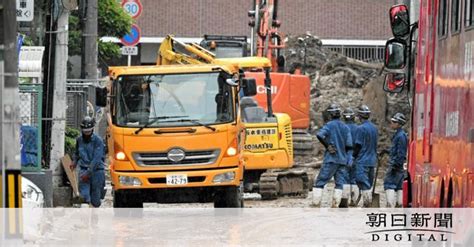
[231,197]
[125,199]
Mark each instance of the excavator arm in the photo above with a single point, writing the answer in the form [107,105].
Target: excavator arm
[173,51]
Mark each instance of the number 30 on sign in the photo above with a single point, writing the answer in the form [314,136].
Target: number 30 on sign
[132,7]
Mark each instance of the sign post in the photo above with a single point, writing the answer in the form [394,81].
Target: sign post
[134,9]
[129,51]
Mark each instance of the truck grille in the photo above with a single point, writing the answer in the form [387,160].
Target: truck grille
[201,157]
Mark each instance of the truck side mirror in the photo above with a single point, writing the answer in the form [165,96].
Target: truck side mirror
[399,20]
[249,85]
[395,51]
[394,82]
[101,96]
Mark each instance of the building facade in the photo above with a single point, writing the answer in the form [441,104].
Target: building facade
[338,23]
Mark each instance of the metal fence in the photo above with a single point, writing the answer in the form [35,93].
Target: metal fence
[31,102]
[77,98]
[370,54]
[80,100]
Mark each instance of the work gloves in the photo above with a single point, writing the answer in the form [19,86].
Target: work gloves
[85,177]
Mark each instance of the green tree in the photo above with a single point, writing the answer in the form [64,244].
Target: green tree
[112,22]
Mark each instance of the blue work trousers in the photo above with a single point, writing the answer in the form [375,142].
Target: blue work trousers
[349,176]
[329,170]
[393,178]
[364,177]
[92,190]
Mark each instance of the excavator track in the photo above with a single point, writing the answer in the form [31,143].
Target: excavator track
[277,183]
[303,143]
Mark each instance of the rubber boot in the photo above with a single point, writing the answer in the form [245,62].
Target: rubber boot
[391,198]
[337,198]
[317,196]
[366,198]
[346,193]
[354,194]
[399,198]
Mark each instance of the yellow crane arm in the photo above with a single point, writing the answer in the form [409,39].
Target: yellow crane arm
[169,53]
[172,51]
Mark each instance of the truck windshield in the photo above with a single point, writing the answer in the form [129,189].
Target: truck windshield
[173,100]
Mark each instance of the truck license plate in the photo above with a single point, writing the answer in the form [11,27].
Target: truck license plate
[176,179]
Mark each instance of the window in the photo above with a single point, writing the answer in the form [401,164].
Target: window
[443,18]
[455,16]
[173,100]
[468,13]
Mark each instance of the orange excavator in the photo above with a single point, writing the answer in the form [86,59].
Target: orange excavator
[290,92]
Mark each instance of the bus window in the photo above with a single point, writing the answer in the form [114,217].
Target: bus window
[468,13]
[455,16]
[443,18]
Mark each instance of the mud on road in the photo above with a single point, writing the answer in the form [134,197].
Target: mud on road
[252,200]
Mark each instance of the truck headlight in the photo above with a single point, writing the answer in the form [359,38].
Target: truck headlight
[231,151]
[224,177]
[120,156]
[129,181]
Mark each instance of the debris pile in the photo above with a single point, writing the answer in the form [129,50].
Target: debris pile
[347,81]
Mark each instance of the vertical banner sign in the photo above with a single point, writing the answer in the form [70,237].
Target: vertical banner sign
[134,9]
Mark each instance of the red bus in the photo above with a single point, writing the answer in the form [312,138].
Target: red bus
[437,67]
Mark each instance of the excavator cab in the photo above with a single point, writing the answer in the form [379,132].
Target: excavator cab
[252,112]
[226,46]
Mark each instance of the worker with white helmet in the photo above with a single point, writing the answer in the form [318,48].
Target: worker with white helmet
[365,154]
[336,138]
[397,156]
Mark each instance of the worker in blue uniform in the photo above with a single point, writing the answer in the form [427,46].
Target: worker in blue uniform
[365,154]
[89,159]
[350,190]
[336,138]
[397,157]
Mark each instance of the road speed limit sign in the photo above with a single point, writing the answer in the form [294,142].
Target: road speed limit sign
[132,7]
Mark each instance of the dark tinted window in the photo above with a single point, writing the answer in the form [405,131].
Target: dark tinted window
[455,15]
[443,18]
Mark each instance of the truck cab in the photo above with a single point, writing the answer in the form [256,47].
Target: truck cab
[175,134]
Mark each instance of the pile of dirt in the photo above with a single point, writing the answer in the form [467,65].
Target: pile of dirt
[347,81]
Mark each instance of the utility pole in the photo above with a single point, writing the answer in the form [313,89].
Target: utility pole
[90,53]
[9,97]
[59,106]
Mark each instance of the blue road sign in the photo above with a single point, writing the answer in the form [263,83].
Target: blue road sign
[133,37]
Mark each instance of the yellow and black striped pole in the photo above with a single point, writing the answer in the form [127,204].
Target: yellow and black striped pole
[12,202]
[12,198]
